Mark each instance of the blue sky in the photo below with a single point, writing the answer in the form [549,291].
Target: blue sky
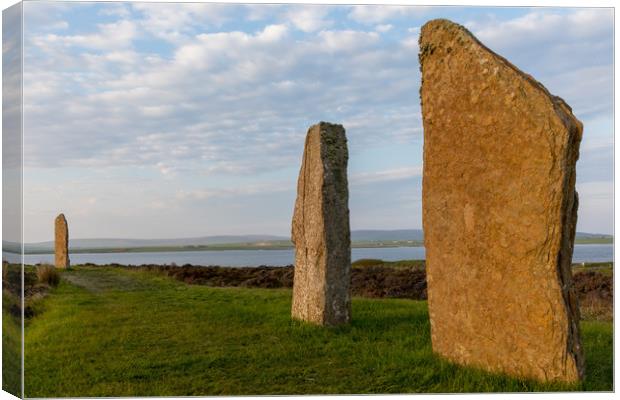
[177,120]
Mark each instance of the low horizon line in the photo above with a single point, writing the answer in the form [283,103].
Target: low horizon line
[243,234]
[206,236]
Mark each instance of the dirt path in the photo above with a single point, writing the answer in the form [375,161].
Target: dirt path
[98,280]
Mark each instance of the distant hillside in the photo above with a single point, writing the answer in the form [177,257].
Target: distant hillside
[368,235]
[363,237]
[77,244]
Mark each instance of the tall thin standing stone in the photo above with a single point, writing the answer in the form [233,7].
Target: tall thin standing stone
[320,231]
[499,211]
[61,242]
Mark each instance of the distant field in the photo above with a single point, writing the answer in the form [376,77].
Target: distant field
[119,332]
[594,240]
[605,268]
[271,245]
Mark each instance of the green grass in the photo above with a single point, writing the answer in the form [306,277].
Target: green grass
[116,332]
[11,348]
[594,240]
[605,268]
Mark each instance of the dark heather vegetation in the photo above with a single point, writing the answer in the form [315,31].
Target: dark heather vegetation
[48,275]
[134,331]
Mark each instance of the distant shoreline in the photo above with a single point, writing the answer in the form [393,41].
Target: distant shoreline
[224,247]
[257,246]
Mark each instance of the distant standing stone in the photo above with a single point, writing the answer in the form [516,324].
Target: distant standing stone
[499,211]
[320,230]
[61,242]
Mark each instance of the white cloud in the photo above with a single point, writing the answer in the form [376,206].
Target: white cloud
[260,12]
[226,96]
[347,40]
[166,169]
[173,22]
[273,33]
[220,104]
[46,16]
[232,192]
[116,10]
[60,25]
[377,14]
[411,43]
[223,93]
[308,18]
[384,28]
[156,111]
[110,37]
[543,26]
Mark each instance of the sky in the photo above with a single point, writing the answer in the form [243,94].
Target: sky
[155,120]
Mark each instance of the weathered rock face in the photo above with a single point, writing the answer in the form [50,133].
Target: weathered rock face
[61,242]
[320,231]
[499,211]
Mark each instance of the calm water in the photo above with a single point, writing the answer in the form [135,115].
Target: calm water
[237,258]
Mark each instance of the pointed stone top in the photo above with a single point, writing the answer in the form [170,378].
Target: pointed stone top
[443,23]
[330,132]
[443,37]
[61,216]
[442,40]
[324,124]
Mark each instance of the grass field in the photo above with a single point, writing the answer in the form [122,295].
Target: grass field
[605,268]
[594,240]
[11,349]
[116,332]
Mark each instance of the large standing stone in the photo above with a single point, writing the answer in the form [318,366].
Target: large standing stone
[321,229]
[61,242]
[499,211]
